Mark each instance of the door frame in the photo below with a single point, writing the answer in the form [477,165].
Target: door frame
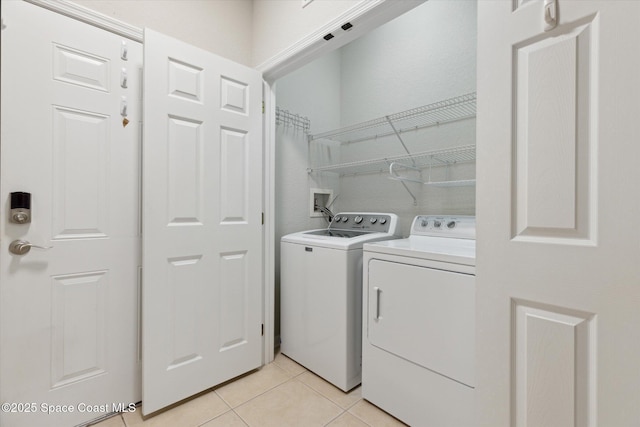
[365,16]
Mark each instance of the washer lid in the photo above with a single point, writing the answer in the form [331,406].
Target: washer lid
[321,239]
[345,234]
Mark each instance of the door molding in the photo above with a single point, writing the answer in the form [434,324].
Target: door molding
[364,16]
[91,17]
[268,203]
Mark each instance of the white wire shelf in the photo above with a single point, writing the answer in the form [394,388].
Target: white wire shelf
[445,111]
[422,160]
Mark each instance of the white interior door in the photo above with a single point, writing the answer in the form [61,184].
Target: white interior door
[558,271]
[202,209]
[68,315]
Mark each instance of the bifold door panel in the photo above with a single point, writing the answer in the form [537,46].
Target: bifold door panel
[202,239]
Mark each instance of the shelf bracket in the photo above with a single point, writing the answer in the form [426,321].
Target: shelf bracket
[415,201]
[400,139]
[402,179]
[447,183]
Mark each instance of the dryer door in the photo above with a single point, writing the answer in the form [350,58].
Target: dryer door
[423,315]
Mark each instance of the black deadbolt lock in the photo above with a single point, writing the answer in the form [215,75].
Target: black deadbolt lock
[20,207]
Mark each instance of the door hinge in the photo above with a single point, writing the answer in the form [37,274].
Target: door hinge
[262,107]
[262,218]
[262,329]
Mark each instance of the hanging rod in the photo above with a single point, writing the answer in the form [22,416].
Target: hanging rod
[287,118]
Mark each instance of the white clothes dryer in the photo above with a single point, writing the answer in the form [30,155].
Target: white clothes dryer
[321,294]
[419,323]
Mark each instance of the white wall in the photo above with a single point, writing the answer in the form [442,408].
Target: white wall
[419,58]
[278,24]
[314,92]
[246,31]
[223,27]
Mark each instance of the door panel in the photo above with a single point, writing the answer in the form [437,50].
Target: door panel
[558,241]
[81,68]
[566,337]
[78,317]
[555,89]
[234,290]
[184,177]
[234,150]
[202,244]
[80,174]
[69,314]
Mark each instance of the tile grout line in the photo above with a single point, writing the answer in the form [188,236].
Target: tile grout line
[379,409]
[347,411]
[323,396]
[346,393]
[290,379]
[335,418]
[360,419]
[355,403]
[257,395]
[327,397]
[245,422]
[217,416]
[222,414]
[222,398]
[288,371]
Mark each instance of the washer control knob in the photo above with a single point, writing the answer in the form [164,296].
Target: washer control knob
[424,223]
[358,219]
[336,219]
[383,220]
[373,220]
[345,218]
[451,224]
[437,223]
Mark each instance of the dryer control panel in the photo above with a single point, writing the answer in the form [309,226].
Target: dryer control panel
[454,226]
[365,221]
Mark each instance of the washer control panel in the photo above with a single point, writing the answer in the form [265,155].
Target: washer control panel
[455,226]
[365,221]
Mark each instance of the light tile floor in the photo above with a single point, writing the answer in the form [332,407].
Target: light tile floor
[279,394]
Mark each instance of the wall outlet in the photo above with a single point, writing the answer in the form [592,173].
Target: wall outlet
[322,197]
[305,3]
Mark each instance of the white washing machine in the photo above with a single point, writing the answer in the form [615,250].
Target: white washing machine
[321,294]
[419,323]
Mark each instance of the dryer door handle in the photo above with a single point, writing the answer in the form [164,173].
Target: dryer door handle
[378,291]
